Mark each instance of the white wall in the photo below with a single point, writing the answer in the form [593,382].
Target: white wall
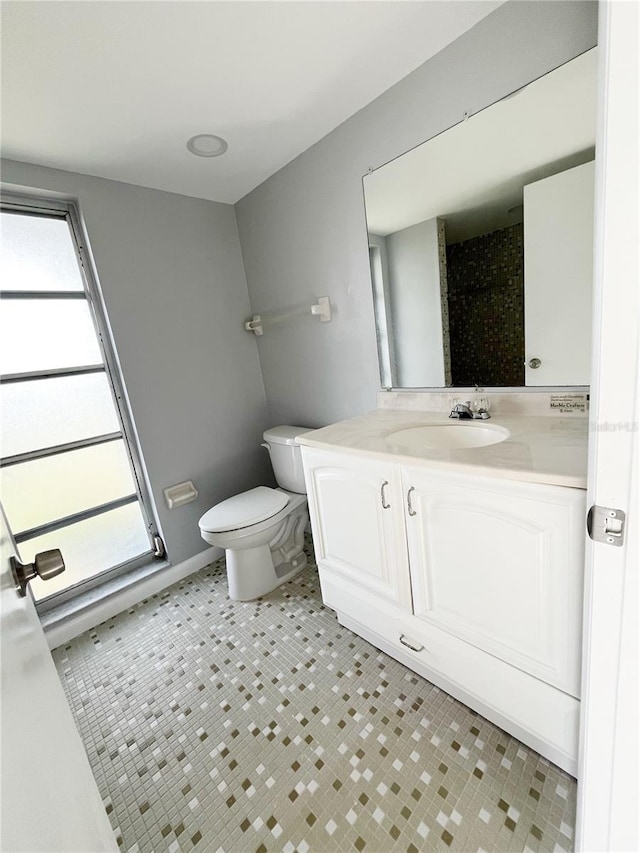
[303,232]
[171,275]
[416,307]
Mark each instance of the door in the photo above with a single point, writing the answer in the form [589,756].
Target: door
[50,801]
[358,528]
[608,793]
[558,270]
[500,565]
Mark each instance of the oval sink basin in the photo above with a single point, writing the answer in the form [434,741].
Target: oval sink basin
[448,436]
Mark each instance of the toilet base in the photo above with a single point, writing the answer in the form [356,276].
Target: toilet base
[254,572]
[248,578]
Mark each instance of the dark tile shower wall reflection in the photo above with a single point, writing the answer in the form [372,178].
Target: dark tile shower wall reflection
[485,278]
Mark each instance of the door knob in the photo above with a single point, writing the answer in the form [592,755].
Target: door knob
[534,363]
[46,565]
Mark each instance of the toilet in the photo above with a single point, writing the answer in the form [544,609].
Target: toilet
[262,530]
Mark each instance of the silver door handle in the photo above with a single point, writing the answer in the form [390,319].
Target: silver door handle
[534,363]
[385,505]
[46,565]
[409,506]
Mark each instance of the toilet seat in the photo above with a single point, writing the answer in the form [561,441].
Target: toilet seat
[243,510]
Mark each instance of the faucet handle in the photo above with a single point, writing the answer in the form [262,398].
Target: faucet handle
[481,408]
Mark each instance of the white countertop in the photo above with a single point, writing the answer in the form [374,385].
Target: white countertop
[551,450]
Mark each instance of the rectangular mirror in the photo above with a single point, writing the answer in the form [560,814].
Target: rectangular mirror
[480,243]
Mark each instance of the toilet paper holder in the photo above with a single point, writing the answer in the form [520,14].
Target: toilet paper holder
[181,493]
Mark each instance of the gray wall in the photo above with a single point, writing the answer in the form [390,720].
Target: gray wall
[172,279]
[303,232]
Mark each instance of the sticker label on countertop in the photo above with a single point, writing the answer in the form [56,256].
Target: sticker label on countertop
[569,404]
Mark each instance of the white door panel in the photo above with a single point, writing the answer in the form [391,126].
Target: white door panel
[558,270]
[50,801]
[609,792]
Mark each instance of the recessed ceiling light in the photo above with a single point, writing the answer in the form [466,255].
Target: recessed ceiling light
[207,145]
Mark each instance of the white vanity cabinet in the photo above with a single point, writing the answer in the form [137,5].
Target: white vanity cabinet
[358,525]
[474,582]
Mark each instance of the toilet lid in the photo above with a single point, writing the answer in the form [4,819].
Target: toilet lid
[244,509]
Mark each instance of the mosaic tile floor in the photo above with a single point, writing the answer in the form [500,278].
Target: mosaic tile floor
[265,726]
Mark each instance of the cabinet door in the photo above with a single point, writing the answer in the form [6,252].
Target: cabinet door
[358,527]
[500,565]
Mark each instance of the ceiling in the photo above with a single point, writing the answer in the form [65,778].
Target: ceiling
[115,89]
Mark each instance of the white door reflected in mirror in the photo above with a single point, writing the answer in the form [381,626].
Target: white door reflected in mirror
[558,269]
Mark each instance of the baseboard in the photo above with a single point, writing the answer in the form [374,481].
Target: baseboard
[67,623]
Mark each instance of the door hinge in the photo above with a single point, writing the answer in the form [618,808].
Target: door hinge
[605,524]
[159,551]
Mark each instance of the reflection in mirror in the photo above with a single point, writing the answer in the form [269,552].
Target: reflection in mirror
[480,243]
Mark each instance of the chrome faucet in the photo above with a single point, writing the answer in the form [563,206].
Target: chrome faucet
[463,412]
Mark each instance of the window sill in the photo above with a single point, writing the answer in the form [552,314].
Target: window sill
[57,615]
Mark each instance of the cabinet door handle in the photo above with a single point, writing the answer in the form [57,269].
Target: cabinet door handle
[409,506]
[409,645]
[385,505]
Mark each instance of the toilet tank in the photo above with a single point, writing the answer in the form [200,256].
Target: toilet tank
[286,457]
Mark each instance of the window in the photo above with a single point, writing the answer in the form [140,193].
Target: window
[69,473]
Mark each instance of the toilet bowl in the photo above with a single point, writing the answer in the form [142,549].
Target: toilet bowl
[262,530]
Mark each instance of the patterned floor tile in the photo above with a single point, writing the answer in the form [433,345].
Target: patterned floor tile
[266,726]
